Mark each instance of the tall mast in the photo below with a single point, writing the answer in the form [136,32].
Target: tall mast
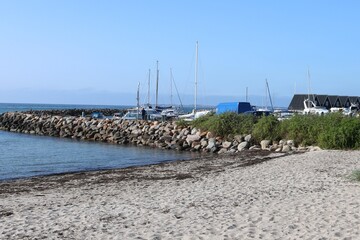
[149,89]
[309,105]
[196,75]
[172,79]
[157,82]
[268,89]
[171,96]
[265,103]
[138,101]
[246,96]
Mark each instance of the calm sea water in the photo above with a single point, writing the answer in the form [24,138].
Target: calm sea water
[23,155]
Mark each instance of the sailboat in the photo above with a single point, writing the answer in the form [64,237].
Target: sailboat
[195,113]
[311,108]
[267,97]
[136,114]
[172,112]
[309,105]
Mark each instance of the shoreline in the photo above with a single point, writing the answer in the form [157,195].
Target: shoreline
[276,196]
[249,157]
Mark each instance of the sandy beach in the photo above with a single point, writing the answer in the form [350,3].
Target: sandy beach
[249,196]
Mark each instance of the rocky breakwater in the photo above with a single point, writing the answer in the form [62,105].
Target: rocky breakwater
[76,112]
[165,135]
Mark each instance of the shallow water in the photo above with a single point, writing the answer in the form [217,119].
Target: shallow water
[23,155]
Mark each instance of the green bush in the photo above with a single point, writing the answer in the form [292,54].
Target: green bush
[303,129]
[225,124]
[332,131]
[267,127]
[341,132]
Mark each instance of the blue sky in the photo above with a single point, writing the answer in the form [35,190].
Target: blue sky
[96,52]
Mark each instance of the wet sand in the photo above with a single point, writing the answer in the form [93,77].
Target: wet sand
[255,195]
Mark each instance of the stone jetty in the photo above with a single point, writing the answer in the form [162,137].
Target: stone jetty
[76,112]
[165,135]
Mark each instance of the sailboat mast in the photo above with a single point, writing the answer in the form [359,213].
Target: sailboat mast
[268,89]
[172,79]
[149,89]
[157,82]
[266,96]
[309,105]
[171,95]
[246,96]
[196,75]
[138,101]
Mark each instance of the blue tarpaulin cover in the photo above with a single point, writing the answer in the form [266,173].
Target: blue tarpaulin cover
[236,107]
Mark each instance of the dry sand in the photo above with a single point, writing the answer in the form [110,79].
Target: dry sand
[252,196]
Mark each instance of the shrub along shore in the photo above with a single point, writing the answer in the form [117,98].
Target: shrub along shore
[225,133]
[331,131]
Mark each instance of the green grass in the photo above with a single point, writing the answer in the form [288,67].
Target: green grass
[355,175]
[332,131]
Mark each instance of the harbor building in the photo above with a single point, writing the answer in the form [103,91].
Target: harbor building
[327,101]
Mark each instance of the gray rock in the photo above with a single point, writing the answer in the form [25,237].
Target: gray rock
[186,132]
[226,144]
[290,142]
[255,147]
[243,145]
[213,149]
[286,148]
[239,138]
[136,132]
[222,150]
[302,148]
[195,143]
[203,143]
[197,147]
[211,143]
[210,135]
[229,137]
[192,138]
[248,138]
[265,144]
[314,148]
[194,131]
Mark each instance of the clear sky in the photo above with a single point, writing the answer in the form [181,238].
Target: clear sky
[96,52]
